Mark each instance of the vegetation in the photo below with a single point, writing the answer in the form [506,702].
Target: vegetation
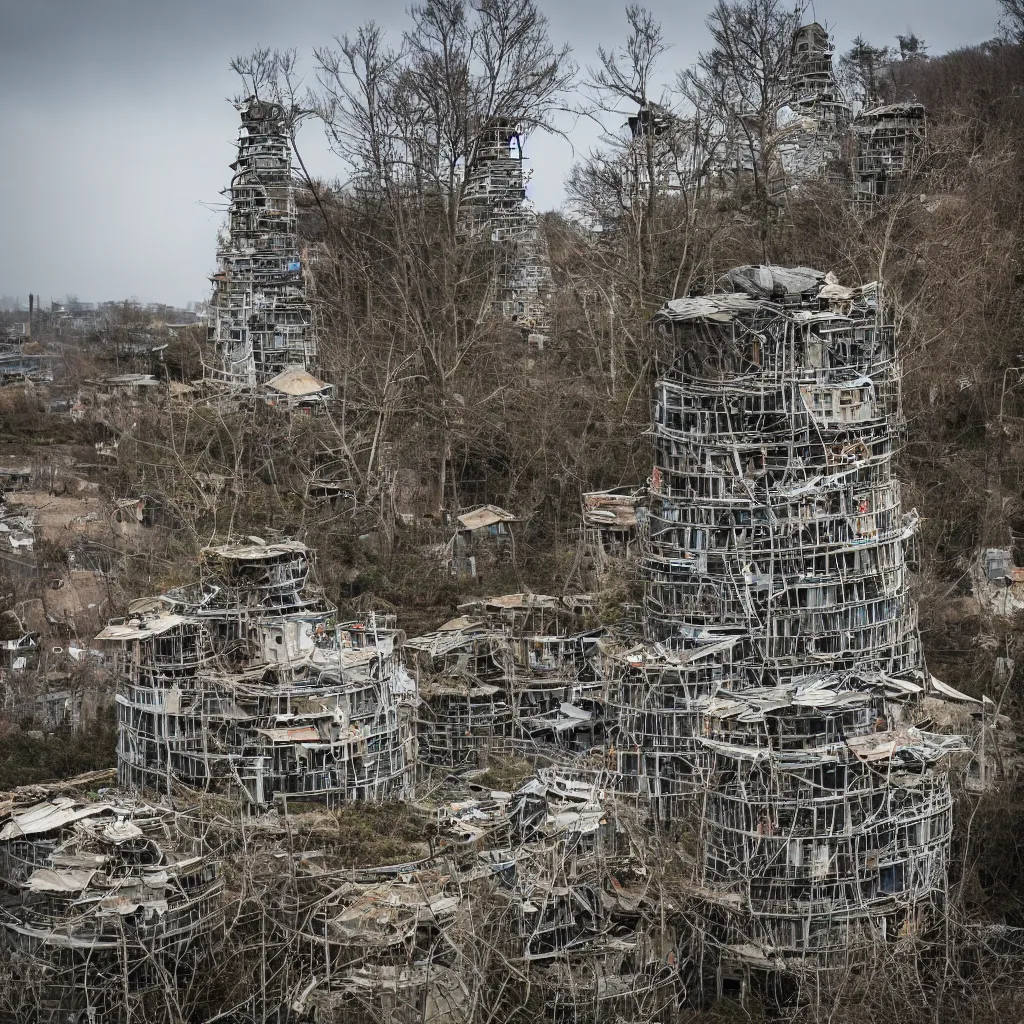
[27,755]
[440,407]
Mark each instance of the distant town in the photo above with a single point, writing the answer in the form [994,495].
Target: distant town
[71,315]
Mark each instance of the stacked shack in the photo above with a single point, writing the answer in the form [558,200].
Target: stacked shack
[465,673]
[262,325]
[611,526]
[493,209]
[887,141]
[516,674]
[245,684]
[593,936]
[826,827]
[571,911]
[815,116]
[775,515]
[783,648]
[654,696]
[108,910]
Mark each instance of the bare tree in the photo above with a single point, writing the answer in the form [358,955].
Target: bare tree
[411,115]
[405,120]
[644,185]
[743,78]
[626,74]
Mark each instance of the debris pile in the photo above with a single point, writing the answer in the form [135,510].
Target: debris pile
[381,943]
[109,910]
[24,362]
[582,918]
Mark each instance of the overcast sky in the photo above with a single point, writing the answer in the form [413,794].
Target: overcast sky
[116,134]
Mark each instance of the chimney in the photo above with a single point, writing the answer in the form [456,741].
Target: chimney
[31,299]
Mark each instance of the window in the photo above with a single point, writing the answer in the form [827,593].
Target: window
[891,879]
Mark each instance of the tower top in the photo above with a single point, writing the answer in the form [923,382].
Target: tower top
[261,114]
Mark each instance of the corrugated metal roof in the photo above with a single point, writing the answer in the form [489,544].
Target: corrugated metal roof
[142,629]
[485,515]
[710,306]
[49,816]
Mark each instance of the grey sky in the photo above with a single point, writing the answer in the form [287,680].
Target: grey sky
[116,132]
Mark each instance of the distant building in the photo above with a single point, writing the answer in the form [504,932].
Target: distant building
[887,140]
[25,361]
[815,117]
[494,207]
[261,323]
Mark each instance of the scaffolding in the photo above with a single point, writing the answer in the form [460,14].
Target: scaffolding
[262,324]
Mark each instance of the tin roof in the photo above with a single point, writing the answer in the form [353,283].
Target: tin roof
[245,552]
[485,515]
[142,628]
[601,508]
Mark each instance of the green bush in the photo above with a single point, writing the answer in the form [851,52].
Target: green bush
[26,758]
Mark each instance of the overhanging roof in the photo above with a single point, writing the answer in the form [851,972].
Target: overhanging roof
[298,383]
[485,515]
[142,629]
